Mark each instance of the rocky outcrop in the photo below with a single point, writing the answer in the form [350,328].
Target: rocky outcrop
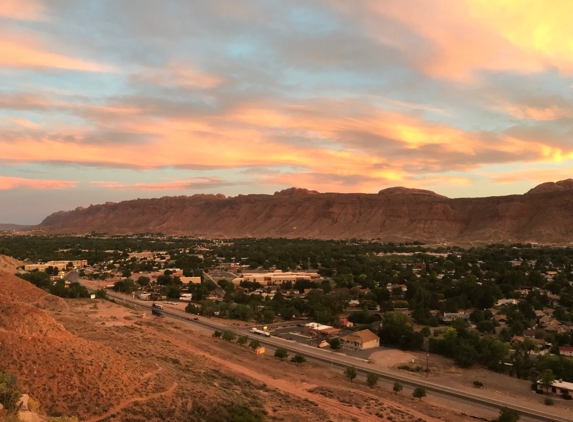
[544,215]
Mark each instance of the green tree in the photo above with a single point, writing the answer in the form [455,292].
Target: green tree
[192,309]
[547,379]
[100,294]
[281,353]
[268,316]
[242,340]
[508,415]
[350,373]
[371,379]
[217,334]
[397,387]
[298,359]
[425,331]
[228,335]
[335,344]
[255,344]
[143,281]
[419,393]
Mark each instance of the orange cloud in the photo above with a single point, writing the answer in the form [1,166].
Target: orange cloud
[538,113]
[468,35]
[197,183]
[26,52]
[357,151]
[536,176]
[23,10]
[18,182]
[182,75]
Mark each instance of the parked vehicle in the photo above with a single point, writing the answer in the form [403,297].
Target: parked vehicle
[157,306]
[260,332]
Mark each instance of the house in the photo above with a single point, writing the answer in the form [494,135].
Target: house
[449,317]
[503,302]
[361,340]
[566,350]
[564,387]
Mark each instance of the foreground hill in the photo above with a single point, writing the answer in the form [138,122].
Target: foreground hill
[544,214]
[67,374]
[9,264]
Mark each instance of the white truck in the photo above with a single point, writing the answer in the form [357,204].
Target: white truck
[260,332]
[186,297]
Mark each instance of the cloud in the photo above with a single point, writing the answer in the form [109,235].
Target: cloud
[454,38]
[28,10]
[7,182]
[196,183]
[178,74]
[26,51]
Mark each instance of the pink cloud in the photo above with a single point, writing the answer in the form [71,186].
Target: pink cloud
[181,74]
[29,10]
[21,183]
[462,36]
[21,50]
[196,183]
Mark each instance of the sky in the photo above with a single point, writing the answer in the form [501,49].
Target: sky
[122,99]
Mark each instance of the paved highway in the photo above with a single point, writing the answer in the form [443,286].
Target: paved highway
[343,361]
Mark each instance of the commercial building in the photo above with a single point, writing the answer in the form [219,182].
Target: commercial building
[192,280]
[55,264]
[276,277]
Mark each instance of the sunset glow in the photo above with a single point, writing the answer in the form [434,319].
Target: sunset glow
[119,100]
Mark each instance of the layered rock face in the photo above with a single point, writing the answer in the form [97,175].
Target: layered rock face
[543,215]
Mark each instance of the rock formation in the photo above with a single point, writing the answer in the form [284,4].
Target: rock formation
[543,215]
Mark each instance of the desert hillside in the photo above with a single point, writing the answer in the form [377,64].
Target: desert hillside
[99,361]
[543,215]
[9,264]
[67,374]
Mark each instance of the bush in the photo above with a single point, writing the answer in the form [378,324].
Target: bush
[255,344]
[508,415]
[217,334]
[397,387]
[566,396]
[478,384]
[335,344]
[242,340]
[9,393]
[192,309]
[371,379]
[548,401]
[228,335]
[100,294]
[281,353]
[350,373]
[298,359]
[419,392]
